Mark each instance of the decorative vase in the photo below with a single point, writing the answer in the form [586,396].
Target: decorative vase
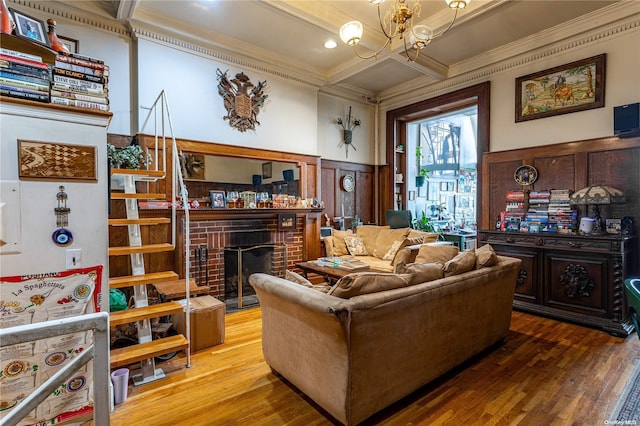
[7,24]
[56,44]
[420,181]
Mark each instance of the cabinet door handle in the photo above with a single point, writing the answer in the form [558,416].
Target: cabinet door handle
[575,245]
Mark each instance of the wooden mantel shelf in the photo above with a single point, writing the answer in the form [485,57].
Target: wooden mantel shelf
[208,213]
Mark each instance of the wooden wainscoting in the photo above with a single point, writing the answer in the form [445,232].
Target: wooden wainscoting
[360,202]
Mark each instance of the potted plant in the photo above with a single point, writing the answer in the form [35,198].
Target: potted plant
[129,157]
[423,174]
[423,223]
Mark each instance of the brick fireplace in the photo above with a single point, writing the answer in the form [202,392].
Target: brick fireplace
[222,235]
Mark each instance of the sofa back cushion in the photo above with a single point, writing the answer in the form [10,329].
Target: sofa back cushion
[485,256]
[385,239]
[360,283]
[369,233]
[433,254]
[464,262]
[421,272]
[339,246]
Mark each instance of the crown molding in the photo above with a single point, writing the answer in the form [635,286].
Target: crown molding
[95,19]
[517,54]
[203,48]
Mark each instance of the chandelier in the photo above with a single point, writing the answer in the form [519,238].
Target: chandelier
[398,21]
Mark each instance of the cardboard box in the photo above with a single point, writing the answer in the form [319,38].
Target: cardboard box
[207,322]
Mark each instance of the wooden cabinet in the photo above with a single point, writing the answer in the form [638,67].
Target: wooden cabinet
[573,278]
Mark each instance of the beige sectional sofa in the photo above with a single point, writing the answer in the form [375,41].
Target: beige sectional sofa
[374,338]
[377,246]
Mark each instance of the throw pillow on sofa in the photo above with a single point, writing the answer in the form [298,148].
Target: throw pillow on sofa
[294,277]
[360,283]
[485,256]
[385,240]
[433,254]
[464,262]
[355,246]
[397,245]
[421,272]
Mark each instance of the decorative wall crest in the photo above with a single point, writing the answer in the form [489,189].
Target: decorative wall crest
[242,100]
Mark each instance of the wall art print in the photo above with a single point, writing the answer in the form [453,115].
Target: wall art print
[49,160]
[242,100]
[572,87]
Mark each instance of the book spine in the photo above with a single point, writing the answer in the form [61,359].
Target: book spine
[24,84]
[82,62]
[22,55]
[23,61]
[79,96]
[26,70]
[24,95]
[22,89]
[79,68]
[79,104]
[22,77]
[61,82]
[86,58]
[78,75]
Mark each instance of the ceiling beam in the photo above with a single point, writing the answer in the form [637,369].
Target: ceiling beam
[126,9]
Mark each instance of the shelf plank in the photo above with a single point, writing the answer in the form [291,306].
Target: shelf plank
[150,278]
[135,353]
[140,221]
[139,314]
[137,195]
[149,248]
[139,172]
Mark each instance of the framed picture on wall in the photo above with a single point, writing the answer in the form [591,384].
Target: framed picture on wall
[72,44]
[286,221]
[267,170]
[572,87]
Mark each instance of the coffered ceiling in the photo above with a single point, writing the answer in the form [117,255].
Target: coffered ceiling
[288,35]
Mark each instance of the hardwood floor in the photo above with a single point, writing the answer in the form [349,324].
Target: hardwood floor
[545,373]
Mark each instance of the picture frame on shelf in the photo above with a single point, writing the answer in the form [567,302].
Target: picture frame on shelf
[70,43]
[614,226]
[572,87]
[267,170]
[30,28]
[217,199]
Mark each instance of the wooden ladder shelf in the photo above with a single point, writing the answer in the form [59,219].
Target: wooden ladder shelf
[142,313]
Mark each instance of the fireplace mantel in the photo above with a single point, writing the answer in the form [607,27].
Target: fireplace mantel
[232,214]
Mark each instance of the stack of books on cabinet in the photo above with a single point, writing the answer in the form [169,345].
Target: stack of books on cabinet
[81,82]
[562,218]
[511,218]
[537,217]
[24,76]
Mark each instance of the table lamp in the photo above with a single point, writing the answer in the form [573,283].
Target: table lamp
[597,195]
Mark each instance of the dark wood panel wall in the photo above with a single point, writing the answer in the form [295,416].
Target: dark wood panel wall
[360,202]
[573,165]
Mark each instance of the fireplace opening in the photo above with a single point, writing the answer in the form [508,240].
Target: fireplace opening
[254,254]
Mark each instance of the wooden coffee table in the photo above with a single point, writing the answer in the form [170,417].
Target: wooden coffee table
[329,273]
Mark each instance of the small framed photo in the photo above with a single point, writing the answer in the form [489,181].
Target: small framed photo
[613,226]
[286,221]
[217,199]
[30,27]
[267,170]
[72,44]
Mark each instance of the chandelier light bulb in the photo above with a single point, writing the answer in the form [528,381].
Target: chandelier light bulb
[457,4]
[375,2]
[420,36]
[351,32]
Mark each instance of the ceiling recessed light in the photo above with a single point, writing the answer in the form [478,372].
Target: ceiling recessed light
[330,44]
